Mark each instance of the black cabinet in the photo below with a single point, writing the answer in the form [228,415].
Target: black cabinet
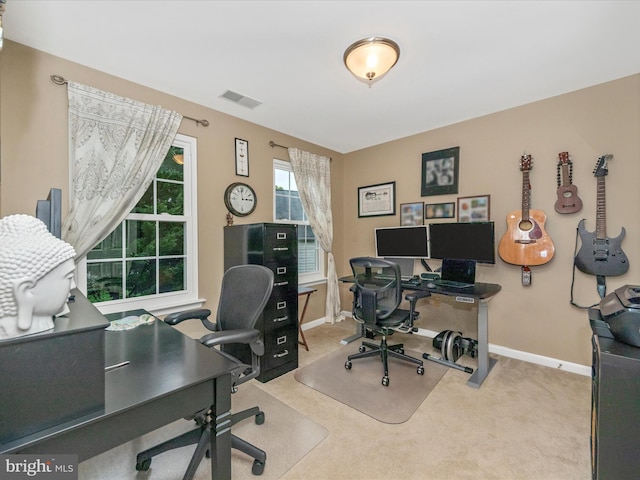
[275,246]
[615,405]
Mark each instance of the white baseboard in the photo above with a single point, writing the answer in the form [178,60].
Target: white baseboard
[497,349]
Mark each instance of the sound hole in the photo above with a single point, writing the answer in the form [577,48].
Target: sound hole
[525,225]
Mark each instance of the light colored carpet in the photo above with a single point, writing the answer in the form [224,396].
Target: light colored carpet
[361,387]
[286,435]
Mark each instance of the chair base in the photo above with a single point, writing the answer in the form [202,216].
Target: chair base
[201,436]
[384,351]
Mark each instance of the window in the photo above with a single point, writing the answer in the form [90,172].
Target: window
[288,209]
[150,260]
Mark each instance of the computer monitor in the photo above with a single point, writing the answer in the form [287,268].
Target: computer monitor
[463,241]
[50,211]
[411,242]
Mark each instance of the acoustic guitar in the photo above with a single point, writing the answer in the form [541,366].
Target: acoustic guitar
[568,199]
[526,242]
[600,255]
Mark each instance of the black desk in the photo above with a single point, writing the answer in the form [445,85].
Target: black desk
[481,293]
[169,377]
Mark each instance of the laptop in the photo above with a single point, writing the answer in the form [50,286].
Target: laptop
[406,266]
[457,273]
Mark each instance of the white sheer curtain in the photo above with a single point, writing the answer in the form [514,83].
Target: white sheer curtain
[313,177]
[116,146]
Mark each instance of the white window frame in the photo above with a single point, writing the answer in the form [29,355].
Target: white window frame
[303,278]
[165,303]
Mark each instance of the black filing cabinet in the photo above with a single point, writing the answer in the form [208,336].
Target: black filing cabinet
[615,405]
[275,246]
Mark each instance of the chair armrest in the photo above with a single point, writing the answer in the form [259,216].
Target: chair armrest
[247,336]
[195,314]
[417,295]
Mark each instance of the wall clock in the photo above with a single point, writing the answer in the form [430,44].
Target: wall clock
[240,199]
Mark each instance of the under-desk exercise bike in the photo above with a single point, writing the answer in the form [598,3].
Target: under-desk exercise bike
[452,346]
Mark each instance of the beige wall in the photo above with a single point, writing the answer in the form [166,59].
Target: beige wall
[587,123]
[536,319]
[34,151]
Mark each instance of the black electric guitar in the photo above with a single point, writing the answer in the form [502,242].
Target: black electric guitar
[568,200]
[600,255]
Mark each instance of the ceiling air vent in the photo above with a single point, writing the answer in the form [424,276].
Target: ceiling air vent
[240,99]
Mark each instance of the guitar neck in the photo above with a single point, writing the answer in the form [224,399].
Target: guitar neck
[526,194]
[601,210]
[566,177]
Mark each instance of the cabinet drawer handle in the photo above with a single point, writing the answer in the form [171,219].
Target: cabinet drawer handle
[281,235]
[280,249]
[279,284]
[280,355]
[281,319]
[281,305]
[281,270]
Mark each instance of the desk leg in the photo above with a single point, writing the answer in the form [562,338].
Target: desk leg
[304,310]
[358,335]
[485,364]
[221,431]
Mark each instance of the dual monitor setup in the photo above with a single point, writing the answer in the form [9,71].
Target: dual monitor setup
[460,246]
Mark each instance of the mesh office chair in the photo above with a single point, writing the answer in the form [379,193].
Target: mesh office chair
[377,294]
[244,294]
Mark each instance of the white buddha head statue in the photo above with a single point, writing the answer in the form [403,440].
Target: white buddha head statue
[36,276]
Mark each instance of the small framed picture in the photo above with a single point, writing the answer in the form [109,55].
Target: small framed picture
[242,157]
[440,172]
[411,214]
[473,209]
[440,210]
[377,200]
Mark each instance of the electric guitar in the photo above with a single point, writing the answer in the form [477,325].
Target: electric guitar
[525,242]
[568,200]
[600,255]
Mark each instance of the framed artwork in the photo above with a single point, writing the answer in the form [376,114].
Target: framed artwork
[474,209]
[242,157]
[440,172]
[377,200]
[440,210]
[411,214]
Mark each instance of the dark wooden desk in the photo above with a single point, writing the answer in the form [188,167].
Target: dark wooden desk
[481,293]
[169,377]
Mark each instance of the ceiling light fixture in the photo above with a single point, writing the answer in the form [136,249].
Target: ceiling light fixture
[370,58]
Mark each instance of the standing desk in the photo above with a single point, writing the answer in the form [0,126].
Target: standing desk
[170,376]
[481,293]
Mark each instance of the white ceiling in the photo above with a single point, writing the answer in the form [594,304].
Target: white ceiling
[459,59]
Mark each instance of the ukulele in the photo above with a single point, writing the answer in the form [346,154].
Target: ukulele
[568,200]
[525,242]
[600,255]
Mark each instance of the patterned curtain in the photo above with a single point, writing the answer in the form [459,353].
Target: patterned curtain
[116,146]
[313,177]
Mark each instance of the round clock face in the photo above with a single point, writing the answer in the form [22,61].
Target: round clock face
[240,199]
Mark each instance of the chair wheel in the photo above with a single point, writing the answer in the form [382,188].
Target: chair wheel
[420,370]
[385,381]
[144,465]
[257,468]
[260,418]
[347,365]
[362,348]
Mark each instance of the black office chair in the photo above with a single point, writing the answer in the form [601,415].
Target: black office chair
[244,294]
[377,294]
